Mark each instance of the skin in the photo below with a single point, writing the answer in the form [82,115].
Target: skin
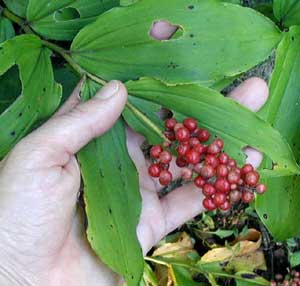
[42,241]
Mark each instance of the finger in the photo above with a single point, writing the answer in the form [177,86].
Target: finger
[63,136]
[163,30]
[252,93]
[134,142]
[181,205]
[72,101]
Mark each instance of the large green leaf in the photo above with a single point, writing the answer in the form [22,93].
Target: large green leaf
[279,207]
[223,116]
[62,19]
[113,201]
[207,51]
[6,29]
[17,6]
[40,94]
[287,11]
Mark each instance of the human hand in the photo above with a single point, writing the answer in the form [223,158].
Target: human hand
[42,241]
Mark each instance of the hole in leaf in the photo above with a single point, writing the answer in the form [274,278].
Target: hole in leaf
[164,30]
[10,87]
[66,14]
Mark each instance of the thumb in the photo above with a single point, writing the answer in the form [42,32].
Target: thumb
[64,135]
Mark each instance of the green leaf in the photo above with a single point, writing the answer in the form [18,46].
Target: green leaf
[62,19]
[10,88]
[141,111]
[244,278]
[287,11]
[206,52]
[222,233]
[183,277]
[17,6]
[40,94]
[279,207]
[223,116]
[6,30]
[149,278]
[113,201]
[295,259]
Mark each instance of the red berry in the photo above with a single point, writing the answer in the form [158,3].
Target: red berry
[199,182]
[261,188]
[233,177]
[182,149]
[170,135]
[233,186]
[207,171]
[198,167]
[190,123]
[165,177]
[164,166]
[223,158]
[194,142]
[247,168]
[209,204]
[182,134]
[177,126]
[219,199]
[222,170]
[213,148]
[219,143]
[186,173]
[155,151]
[181,162]
[231,163]
[252,178]
[201,149]
[222,185]
[208,190]
[203,135]
[154,170]
[247,197]
[193,157]
[170,123]
[225,206]
[212,160]
[165,157]
[235,196]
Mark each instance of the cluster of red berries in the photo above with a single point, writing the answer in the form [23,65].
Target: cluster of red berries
[293,279]
[211,169]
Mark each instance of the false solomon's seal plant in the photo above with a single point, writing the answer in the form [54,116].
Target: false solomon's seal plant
[215,42]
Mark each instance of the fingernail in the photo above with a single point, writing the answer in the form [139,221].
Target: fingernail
[109,90]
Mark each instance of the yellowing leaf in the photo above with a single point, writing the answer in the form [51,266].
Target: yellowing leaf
[244,254]
[180,248]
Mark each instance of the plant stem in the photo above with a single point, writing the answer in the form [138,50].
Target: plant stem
[146,120]
[63,53]
[16,19]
